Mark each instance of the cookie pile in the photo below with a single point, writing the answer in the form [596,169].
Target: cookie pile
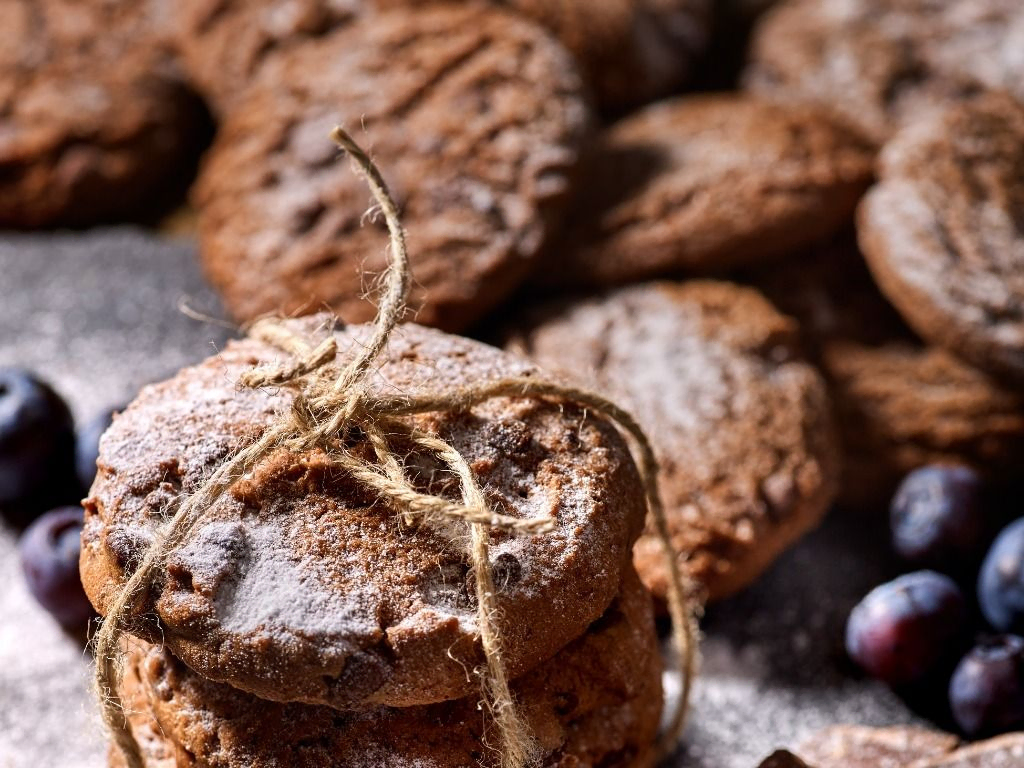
[302,622]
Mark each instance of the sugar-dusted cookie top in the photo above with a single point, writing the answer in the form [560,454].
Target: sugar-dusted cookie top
[596,703]
[739,422]
[476,113]
[300,585]
[943,231]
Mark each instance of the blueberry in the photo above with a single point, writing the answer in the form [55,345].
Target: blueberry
[49,558]
[903,630]
[36,437]
[986,693]
[87,446]
[1001,581]
[937,518]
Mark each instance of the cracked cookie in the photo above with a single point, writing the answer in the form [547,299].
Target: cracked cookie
[479,116]
[596,703]
[943,230]
[740,424]
[890,59]
[300,585]
[708,183]
[93,117]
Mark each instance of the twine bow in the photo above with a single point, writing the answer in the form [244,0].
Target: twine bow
[321,412]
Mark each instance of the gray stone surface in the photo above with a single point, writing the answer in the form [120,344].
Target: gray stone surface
[98,314]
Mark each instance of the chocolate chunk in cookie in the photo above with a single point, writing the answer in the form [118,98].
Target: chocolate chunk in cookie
[878,62]
[706,184]
[478,115]
[596,703]
[301,585]
[740,424]
[943,230]
[93,119]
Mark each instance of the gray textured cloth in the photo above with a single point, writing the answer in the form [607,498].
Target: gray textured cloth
[98,315]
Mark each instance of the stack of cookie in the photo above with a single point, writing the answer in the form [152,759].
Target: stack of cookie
[305,623]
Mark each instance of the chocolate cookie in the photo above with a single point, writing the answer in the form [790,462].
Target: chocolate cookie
[943,232]
[890,59]
[707,183]
[92,116]
[899,403]
[300,585]
[739,422]
[596,703]
[475,115]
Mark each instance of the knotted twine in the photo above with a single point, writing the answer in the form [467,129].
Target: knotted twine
[322,413]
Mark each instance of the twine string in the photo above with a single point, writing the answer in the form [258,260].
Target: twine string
[321,413]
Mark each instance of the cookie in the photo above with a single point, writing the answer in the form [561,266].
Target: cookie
[852,746]
[476,117]
[300,585]
[596,703]
[93,119]
[630,51]
[890,59]
[740,424]
[899,403]
[707,183]
[943,234]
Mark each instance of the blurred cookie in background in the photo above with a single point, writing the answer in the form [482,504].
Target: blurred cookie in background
[477,116]
[878,62]
[94,117]
[705,184]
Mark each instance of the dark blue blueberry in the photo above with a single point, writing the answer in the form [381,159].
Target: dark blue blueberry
[938,518]
[986,693]
[902,630]
[49,557]
[1001,582]
[36,437]
[87,446]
